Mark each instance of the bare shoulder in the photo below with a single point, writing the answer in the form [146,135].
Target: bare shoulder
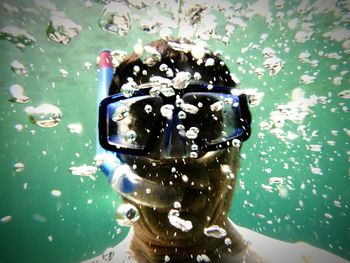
[274,251]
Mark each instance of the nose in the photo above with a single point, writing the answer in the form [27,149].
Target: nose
[171,143]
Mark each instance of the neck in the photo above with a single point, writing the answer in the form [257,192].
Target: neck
[149,248]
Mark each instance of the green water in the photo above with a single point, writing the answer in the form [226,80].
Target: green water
[308,206]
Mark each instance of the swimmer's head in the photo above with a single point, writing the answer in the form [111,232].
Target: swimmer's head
[172,118]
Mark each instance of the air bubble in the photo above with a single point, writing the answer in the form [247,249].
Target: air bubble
[179,102]
[236,143]
[181,80]
[155,91]
[75,128]
[194,155]
[328,216]
[5,219]
[163,67]
[128,89]
[118,56]
[130,136]
[180,127]
[136,69]
[45,115]
[189,108]
[18,67]
[177,205]
[150,56]
[302,36]
[215,231]
[127,214]
[228,241]
[198,51]
[217,106]
[306,79]
[268,52]
[61,29]
[56,193]
[160,82]
[115,18]
[120,113]
[167,111]
[345,94]
[181,115]
[19,167]
[17,93]
[87,65]
[194,147]
[170,73]
[259,72]
[168,91]
[203,258]
[273,64]
[209,62]
[64,72]
[16,35]
[176,221]
[84,170]
[148,108]
[197,76]
[304,57]
[192,133]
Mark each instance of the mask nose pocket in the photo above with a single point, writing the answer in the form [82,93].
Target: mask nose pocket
[174,143]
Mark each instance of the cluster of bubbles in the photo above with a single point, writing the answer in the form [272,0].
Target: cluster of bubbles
[61,30]
[194,21]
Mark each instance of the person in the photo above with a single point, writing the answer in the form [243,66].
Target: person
[176,119]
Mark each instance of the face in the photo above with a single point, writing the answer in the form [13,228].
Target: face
[206,184]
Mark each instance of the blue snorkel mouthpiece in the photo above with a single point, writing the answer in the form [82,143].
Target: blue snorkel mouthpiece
[135,188]
[121,178]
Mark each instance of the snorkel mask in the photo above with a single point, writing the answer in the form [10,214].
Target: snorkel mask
[203,116]
[206,120]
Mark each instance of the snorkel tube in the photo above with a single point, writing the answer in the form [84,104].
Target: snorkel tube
[121,178]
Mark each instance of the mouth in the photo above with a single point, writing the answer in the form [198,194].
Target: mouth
[181,172]
[191,178]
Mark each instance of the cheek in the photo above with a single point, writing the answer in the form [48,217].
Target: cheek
[222,190]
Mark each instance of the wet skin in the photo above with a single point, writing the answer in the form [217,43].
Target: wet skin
[207,198]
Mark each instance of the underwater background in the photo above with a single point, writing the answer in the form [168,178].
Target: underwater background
[292,55]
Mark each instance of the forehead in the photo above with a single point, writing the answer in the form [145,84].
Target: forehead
[210,69]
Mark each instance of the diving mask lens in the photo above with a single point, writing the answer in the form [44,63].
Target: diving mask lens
[217,118]
[129,123]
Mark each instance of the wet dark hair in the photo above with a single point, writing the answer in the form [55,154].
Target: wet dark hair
[218,74]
